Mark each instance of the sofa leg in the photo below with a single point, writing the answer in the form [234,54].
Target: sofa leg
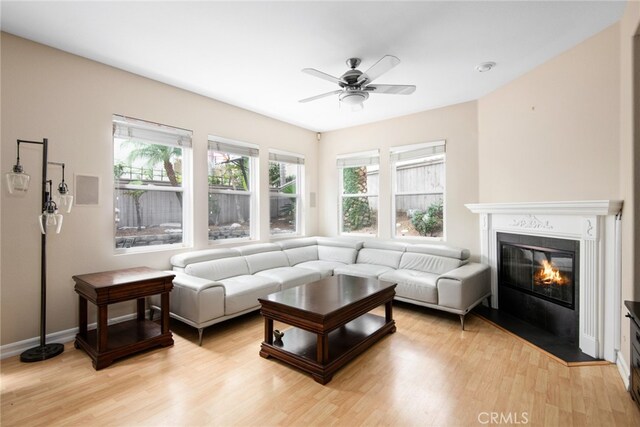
[200,330]
[462,321]
[151,312]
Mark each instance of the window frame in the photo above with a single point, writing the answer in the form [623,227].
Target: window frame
[394,188]
[252,192]
[373,157]
[186,188]
[299,194]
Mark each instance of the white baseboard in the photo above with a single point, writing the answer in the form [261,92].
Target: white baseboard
[61,337]
[623,369]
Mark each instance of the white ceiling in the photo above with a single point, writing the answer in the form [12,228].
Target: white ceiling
[250,54]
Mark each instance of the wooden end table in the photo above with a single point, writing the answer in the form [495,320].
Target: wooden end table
[107,343]
[332,323]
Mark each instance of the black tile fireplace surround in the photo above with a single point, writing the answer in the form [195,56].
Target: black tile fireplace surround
[538,282]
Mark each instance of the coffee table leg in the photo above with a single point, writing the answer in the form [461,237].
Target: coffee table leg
[140,308]
[388,314]
[322,347]
[268,330]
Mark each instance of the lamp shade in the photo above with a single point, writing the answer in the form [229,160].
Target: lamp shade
[64,201]
[50,220]
[17,181]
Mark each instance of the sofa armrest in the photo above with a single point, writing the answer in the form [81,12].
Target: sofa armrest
[193,283]
[465,286]
[194,300]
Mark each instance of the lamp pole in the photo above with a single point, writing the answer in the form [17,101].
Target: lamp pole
[43,351]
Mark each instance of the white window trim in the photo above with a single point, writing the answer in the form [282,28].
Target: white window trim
[300,191]
[373,154]
[254,195]
[187,201]
[394,192]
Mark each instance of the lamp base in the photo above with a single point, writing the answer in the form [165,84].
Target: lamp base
[39,353]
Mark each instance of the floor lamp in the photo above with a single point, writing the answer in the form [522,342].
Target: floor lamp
[49,219]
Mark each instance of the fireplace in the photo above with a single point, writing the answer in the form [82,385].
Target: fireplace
[538,282]
[595,227]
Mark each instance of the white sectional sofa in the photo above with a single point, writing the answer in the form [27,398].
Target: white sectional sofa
[218,284]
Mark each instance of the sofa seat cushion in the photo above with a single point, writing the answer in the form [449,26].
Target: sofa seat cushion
[289,277]
[325,268]
[363,270]
[242,292]
[412,284]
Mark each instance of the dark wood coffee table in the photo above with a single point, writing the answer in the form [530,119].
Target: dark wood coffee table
[331,322]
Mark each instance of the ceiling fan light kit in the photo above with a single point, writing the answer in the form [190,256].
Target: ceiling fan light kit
[352,97]
[356,85]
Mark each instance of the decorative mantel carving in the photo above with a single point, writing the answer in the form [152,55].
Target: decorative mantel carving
[531,221]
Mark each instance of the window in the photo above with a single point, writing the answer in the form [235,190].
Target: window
[152,172]
[232,189]
[418,173]
[285,187]
[359,178]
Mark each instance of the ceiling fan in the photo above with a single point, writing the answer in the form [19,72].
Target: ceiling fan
[355,85]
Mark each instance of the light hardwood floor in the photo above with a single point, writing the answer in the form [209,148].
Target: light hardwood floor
[428,373]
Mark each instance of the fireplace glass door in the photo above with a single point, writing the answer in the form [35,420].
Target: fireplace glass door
[543,272]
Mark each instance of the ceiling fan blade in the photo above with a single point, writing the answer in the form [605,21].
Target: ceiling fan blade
[313,98]
[324,76]
[391,89]
[379,68]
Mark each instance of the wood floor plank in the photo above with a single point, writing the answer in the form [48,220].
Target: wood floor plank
[428,373]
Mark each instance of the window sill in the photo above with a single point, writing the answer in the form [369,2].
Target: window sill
[220,242]
[420,239]
[152,248]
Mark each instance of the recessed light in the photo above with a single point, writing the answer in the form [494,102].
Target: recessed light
[485,66]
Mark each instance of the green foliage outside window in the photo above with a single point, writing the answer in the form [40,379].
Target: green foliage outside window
[356,212]
[429,222]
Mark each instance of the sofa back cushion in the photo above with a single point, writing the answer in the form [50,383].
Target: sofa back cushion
[429,263]
[440,250]
[218,269]
[336,249]
[297,243]
[335,254]
[186,258]
[389,258]
[302,254]
[266,260]
[257,248]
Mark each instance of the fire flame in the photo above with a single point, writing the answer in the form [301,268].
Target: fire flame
[548,275]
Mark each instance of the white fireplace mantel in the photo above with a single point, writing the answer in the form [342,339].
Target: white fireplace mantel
[595,224]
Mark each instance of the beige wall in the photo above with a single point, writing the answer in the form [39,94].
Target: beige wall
[553,133]
[456,124]
[70,100]
[630,161]
[564,131]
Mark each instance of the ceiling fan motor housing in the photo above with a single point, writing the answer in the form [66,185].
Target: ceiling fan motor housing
[351,78]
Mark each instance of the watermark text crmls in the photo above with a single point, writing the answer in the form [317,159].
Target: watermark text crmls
[503,418]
